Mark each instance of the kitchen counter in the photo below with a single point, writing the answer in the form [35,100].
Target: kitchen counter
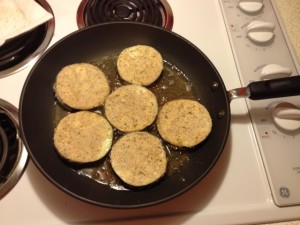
[285,223]
[289,12]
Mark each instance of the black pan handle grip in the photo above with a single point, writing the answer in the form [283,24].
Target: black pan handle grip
[276,88]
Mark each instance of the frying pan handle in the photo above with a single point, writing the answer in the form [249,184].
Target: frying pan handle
[282,87]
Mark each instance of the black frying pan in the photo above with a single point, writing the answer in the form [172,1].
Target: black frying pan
[87,45]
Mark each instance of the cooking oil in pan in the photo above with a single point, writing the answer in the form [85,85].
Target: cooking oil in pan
[171,85]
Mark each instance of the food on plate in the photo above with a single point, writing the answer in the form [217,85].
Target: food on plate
[139,159]
[184,123]
[131,108]
[140,64]
[83,137]
[81,86]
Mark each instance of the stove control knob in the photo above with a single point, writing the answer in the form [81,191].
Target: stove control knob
[274,71]
[260,31]
[251,6]
[287,117]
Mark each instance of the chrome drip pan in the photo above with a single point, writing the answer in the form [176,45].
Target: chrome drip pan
[13,155]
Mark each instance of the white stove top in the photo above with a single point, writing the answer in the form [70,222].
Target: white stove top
[236,191]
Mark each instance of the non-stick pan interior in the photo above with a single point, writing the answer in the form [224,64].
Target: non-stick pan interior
[90,44]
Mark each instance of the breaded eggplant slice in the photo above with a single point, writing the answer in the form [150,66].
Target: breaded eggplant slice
[184,123]
[81,86]
[140,64]
[139,159]
[83,137]
[131,108]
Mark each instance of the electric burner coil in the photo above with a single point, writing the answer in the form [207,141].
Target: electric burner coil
[155,12]
[13,155]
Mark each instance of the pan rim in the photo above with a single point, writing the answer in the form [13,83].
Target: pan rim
[66,190]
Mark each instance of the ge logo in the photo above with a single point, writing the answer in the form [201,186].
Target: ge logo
[284,192]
